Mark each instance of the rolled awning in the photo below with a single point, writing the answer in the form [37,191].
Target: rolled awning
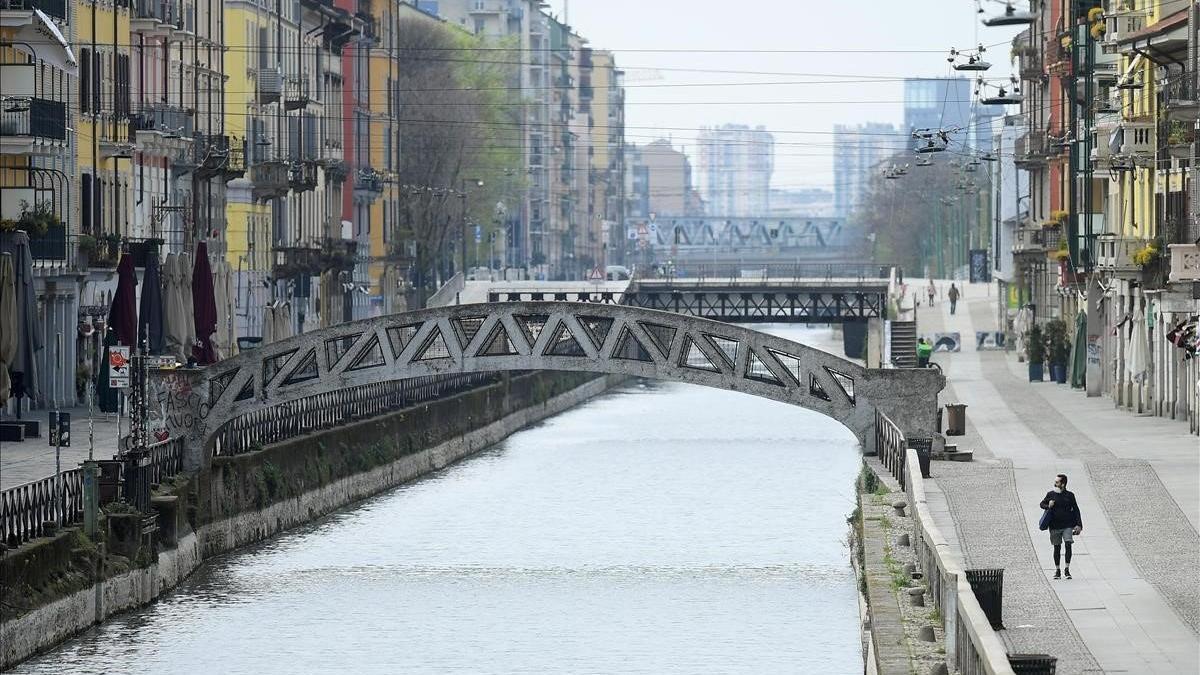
[43,40]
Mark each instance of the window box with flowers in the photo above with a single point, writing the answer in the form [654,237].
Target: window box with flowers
[1152,263]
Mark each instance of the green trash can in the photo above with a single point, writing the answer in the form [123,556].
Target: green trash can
[956,419]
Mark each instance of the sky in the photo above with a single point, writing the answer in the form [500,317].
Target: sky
[800,88]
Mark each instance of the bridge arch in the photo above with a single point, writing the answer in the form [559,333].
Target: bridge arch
[563,336]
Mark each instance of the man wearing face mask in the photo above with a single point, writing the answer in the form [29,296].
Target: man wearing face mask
[1065,521]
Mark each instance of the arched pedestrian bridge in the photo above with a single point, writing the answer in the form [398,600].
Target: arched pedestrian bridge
[310,370]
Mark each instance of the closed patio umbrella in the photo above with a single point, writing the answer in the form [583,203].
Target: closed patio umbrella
[23,367]
[225,339]
[150,311]
[204,306]
[185,298]
[1137,356]
[268,324]
[122,315]
[174,326]
[8,323]
[1079,352]
[283,322]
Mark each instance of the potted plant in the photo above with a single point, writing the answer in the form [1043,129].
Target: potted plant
[1035,352]
[1058,348]
[1149,259]
[88,247]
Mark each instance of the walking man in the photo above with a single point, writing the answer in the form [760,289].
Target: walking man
[931,292]
[1064,521]
[952,296]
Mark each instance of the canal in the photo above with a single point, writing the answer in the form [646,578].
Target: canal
[660,528]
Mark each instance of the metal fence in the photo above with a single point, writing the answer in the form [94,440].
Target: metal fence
[771,272]
[37,507]
[325,410]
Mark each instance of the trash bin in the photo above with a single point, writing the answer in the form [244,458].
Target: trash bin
[1033,664]
[956,419]
[988,585]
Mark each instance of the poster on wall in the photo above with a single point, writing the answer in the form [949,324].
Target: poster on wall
[118,367]
[981,273]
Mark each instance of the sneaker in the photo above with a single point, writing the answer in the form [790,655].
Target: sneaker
[1058,574]
[1067,573]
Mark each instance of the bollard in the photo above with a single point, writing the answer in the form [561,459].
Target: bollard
[916,596]
[938,669]
[903,540]
[899,506]
[91,496]
[926,634]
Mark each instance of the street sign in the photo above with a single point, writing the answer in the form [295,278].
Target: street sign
[478,233]
[643,229]
[632,233]
[596,274]
[118,367]
[60,429]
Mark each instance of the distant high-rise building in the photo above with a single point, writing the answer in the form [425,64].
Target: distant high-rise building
[659,181]
[950,104]
[937,103]
[857,151]
[735,165]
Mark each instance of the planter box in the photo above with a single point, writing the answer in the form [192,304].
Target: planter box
[1035,372]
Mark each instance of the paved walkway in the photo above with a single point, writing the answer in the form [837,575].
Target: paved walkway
[1134,604]
[33,459]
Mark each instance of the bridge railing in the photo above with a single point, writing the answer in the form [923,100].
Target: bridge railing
[771,272]
[253,431]
[891,446]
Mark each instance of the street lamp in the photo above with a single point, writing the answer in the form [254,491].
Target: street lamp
[462,194]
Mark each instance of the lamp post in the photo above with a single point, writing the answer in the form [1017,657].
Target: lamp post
[462,194]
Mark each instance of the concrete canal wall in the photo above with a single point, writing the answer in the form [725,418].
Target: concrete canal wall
[75,583]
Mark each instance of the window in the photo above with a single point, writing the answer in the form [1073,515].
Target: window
[85,84]
[85,201]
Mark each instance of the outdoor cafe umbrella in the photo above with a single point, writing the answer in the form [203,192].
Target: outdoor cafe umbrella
[204,306]
[1079,352]
[174,325]
[122,316]
[23,366]
[8,324]
[225,339]
[268,324]
[1137,357]
[185,298]
[150,311]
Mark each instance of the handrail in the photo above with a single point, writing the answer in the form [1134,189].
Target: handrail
[971,643]
[446,294]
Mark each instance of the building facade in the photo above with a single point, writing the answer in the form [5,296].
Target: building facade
[858,151]
[736,163]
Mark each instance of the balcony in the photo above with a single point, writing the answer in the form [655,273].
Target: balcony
[158,17]
[235,165]
[1136,137]
[1029,150]
[212,155]
[268,86]
[1179,100]
[297,261]
[55,9]
[302,176]
[32,126]
[368,185]
[1121,20]
[269,179]
[1032,69]
[296,93]
[1115,254]
[1185,263]
[163,130]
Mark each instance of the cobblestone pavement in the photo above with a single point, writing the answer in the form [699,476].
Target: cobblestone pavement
[992,533]
[1133,603]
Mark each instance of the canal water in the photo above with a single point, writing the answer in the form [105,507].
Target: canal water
[660,528]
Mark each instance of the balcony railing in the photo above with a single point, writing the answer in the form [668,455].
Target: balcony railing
[1029,150]
[368,181]
[268,86]
[1185,262]
[296,93]
[164,119]
[269,178]
[302,176]
[1180,101]
[55,9]
[1115,254]
[35,117]
[163,11]
[1028,239]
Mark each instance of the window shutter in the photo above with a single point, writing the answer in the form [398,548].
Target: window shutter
[85,89]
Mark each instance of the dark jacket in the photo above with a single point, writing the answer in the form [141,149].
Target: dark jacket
[953,294]
[1065,512]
